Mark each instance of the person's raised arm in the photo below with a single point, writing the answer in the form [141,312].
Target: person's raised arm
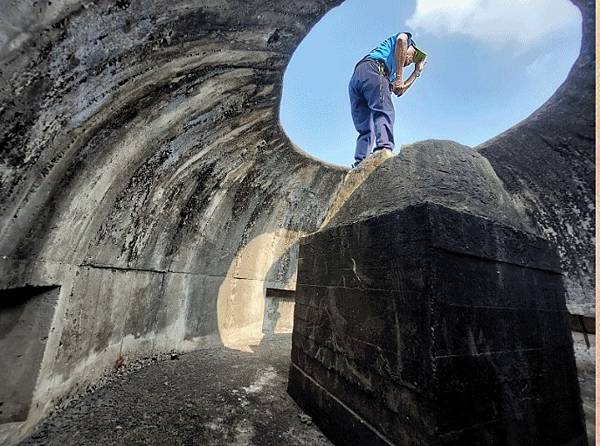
[401,49]
[419,67]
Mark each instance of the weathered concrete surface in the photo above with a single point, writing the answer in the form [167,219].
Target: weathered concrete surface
[586,373]
[427,326]
[179,402]
[442,172]
[547,163]
[143,169]
[25,318]
[353,180]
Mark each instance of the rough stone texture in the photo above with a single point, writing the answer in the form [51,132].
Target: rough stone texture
[178,402]
[144,171]
[430,326]
[442,172]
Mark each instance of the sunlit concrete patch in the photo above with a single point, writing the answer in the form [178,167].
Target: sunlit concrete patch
[241,299]
[353,179]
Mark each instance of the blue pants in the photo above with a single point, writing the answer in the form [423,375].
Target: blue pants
[372,109]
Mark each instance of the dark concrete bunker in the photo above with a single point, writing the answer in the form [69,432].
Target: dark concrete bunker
[431,326]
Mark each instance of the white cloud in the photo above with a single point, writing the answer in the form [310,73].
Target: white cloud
[521,23]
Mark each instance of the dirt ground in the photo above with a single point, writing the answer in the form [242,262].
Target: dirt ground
[208,397]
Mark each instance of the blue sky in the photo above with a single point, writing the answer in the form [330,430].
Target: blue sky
[491,63]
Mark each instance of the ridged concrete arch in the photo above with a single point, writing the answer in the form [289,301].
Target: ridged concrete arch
[144,171]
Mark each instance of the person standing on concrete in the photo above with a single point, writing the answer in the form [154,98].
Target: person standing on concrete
[375,77]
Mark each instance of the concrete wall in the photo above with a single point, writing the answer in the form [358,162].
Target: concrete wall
[547,163]
[144,171]
[25,318]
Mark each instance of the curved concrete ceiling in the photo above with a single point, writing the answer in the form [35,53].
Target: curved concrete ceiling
[145,172]
[547,163]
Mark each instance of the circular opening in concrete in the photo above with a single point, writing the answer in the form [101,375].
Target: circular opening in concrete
[490,65]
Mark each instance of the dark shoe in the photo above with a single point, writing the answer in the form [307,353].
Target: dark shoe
[355,164]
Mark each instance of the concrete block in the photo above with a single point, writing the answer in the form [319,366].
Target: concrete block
[431,326]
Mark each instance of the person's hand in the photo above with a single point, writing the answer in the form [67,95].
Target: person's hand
[421,65]
[399,88]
